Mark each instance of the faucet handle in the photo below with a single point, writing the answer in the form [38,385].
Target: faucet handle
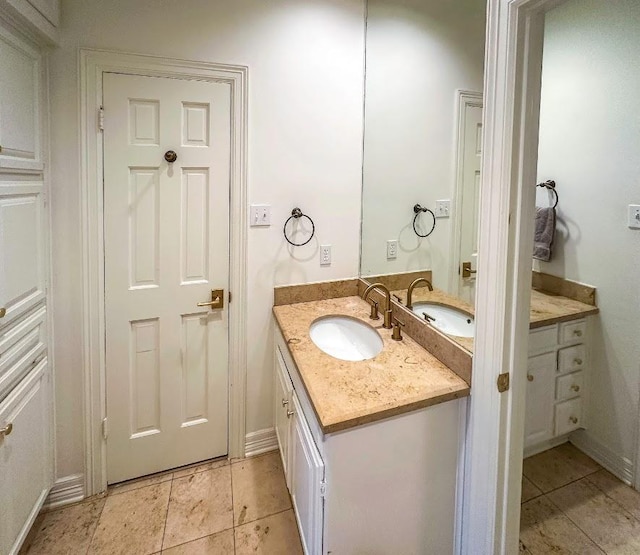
[374,310]
[396,335]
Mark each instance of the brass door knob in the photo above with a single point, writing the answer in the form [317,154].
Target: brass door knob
[217,299]
[7,429]
[170,156]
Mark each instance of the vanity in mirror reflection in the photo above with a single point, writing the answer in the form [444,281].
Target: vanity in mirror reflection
[422,149]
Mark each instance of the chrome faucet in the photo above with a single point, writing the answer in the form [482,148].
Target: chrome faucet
[387,302]
[412,287]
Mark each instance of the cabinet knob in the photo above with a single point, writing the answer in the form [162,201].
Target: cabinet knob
[290,413]
[530,377]
[7,429]
[3,312]
[575,387]
[573,420]
[577,361]
[577,333]
[285,402]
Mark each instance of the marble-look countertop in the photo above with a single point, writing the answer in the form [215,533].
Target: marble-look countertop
[403,377]
[546,308]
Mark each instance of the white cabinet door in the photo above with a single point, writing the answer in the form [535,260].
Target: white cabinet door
[282,404]
[25,457]
[19,103]
[22,261]
[540,398]
[307,482]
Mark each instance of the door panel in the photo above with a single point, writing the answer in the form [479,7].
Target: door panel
[541,372]
[166,248]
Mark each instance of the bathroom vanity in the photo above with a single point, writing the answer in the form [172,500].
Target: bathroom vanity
[371,449]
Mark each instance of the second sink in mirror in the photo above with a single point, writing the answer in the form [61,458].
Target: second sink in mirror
[447,319]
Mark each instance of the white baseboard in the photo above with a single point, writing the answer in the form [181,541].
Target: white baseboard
[259,442]
[69,489]
[614,463]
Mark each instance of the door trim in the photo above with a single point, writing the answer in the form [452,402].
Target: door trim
[513,69]
[93,63]
[464,100]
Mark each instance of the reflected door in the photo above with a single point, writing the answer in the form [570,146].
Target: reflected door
[470,203]
[166,248]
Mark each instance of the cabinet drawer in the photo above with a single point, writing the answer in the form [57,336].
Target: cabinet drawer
[543,339]
[571,359]
[572,332]
[569,386]
[568,416]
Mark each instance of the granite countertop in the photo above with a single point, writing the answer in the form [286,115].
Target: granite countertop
[344,394]
[546,308]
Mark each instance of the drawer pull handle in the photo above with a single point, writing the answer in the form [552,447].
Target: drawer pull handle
[7,429]
[3,311]
[284,402]
[577,361]
[290,413]
[573,420]
[577,333]
[530,377]
[575,387]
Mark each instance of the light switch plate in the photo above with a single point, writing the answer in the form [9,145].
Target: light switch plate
[443,208]
[260,215]
[634,216]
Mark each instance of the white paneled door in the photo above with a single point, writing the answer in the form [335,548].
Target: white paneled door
[166,249]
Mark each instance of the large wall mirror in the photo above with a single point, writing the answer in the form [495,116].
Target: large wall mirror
[422,145]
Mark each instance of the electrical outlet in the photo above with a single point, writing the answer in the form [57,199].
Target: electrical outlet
[260,215]
[325,255]
[392,249]
[634,216]
[443,208]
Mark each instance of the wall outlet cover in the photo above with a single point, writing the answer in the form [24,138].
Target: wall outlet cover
[392,249]
[634,216]
[325,255]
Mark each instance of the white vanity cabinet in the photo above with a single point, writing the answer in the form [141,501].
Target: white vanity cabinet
[384,487]
[558,359]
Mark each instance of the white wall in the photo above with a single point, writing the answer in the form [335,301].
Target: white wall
[305,61]
[590,144]
[418,54]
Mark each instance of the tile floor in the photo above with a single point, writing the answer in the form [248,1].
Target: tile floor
[215,508]
[570,504]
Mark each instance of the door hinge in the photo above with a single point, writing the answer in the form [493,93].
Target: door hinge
[229,296]
[101,118]
[503,382]
[105,429]
[323,489]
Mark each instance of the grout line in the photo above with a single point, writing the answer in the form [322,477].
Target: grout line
[97,524]
[166,515]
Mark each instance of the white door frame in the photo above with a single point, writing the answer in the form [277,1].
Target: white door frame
[92,65]
[513,67]
[464,99]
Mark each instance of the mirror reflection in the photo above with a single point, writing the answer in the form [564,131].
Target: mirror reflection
[422,147]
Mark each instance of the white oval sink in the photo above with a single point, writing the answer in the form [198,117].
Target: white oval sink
[345,338]
[447,319]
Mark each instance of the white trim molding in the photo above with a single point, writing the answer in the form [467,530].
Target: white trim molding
[513,68]
[260,442]
[464,99]
[620,466]
[69,489]
[93,63]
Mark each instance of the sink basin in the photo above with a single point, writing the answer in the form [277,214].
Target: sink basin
[448,320]
[345,338]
